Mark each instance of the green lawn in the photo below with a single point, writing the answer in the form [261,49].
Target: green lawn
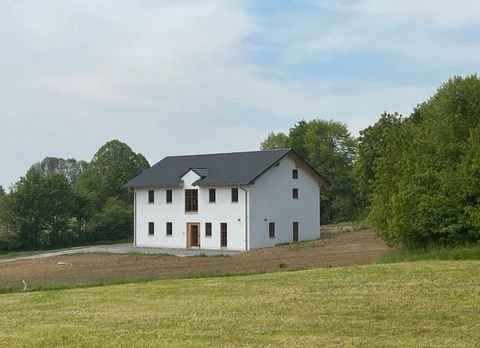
[435,303]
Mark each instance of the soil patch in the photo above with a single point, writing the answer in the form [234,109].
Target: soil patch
[335,248]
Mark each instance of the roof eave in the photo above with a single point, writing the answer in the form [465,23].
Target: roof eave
[320,178]
[145,186]
[252,181]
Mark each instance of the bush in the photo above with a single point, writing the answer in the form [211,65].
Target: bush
[433,252]
[114,222]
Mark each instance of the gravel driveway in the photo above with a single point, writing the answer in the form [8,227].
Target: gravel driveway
[123,249]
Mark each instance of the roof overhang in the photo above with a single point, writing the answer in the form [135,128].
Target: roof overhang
[300,163]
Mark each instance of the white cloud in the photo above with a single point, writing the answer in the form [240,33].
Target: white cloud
[421,34]
[180,60]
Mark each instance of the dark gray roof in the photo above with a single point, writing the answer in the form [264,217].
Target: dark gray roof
[203,172]
[238,168]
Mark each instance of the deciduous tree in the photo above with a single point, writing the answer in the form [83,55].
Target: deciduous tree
[40,207]
[425,192]
[275,141]
[70,168]
[371,146]
[112,166]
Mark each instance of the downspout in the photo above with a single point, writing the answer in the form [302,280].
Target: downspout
[246,217]
[319,211]
[134,218]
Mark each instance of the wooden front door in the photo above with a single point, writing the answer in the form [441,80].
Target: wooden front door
[193,235]
[295,231]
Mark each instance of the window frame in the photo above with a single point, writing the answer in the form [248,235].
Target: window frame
[208,229]
[295,193]
[169,229]
[151,196]
[295,173]
[234,194]
[271,230]
[212,193]
[191,201]
[151,228]
[168,196]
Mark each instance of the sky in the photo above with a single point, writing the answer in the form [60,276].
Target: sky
[172,77]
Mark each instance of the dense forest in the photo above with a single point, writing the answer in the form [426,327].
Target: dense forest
[416,179]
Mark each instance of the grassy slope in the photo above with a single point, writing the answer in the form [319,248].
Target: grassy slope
[406,304]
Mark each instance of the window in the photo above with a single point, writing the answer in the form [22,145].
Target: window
[208,229]
[295,193]
[191,200]
[211,195]
[151,228]
[294,173]
[271,229]
[151,196]
[234,194]
[223,235]
[169,228]
[169,196]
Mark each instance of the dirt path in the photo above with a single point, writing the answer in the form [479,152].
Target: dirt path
[334,249]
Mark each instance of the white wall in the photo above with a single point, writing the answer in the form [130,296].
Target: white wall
[271,201]
[161,212]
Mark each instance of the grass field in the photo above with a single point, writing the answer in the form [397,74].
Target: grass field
[433,303]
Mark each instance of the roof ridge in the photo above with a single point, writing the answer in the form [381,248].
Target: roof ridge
[230,153]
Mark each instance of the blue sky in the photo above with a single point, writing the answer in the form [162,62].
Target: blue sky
[179,77]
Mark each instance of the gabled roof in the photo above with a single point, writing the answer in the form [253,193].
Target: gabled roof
[237,168]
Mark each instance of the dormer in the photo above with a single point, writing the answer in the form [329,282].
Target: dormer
[193,175]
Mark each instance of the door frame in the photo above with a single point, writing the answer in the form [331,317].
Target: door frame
[189,230]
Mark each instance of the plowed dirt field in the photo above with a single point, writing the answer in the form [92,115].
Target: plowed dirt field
[335,248]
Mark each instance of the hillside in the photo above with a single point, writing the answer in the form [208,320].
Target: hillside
[405,304]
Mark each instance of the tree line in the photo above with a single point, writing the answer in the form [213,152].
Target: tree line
[65,202]
[416,179]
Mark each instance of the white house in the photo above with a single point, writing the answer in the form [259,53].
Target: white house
[238,201]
